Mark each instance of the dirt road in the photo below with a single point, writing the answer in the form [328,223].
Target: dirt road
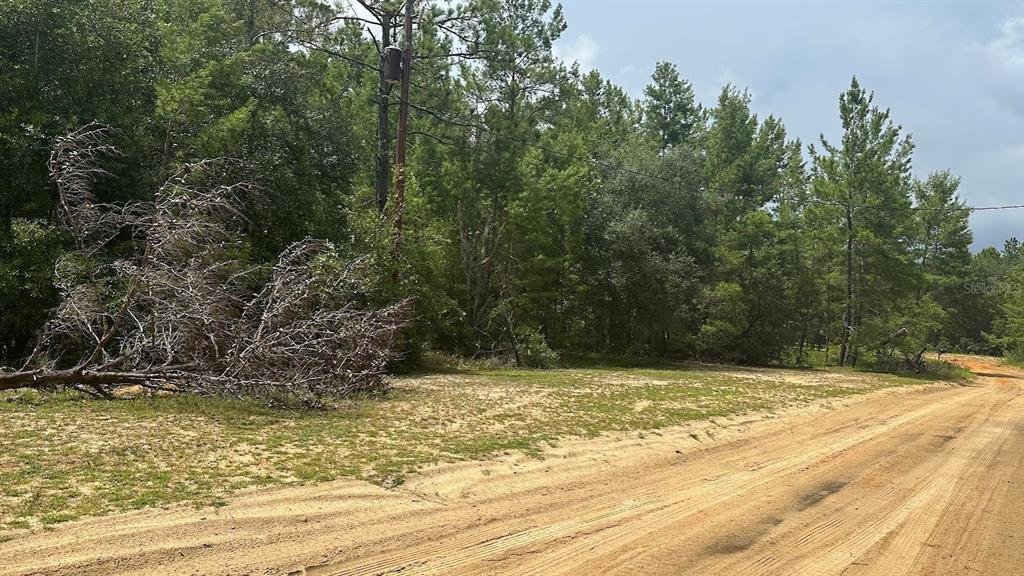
[907,481]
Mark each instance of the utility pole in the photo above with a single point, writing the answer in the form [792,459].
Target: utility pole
[386,78]
[403,129]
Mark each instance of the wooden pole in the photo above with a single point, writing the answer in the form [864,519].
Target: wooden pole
[382,181]
[403,129]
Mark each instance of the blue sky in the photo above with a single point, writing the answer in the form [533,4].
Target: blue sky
[951,72]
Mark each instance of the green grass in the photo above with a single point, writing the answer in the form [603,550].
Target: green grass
[1013,361]
[65,456]
[933,369]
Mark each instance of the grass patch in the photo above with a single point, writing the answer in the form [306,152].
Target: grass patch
[1013,361]
[933,369]
[65,456]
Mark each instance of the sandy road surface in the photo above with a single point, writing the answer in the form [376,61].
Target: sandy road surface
[921,481]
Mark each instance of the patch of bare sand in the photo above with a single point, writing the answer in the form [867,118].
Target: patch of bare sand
[800,377]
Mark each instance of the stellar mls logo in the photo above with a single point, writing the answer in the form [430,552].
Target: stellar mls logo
[991,287]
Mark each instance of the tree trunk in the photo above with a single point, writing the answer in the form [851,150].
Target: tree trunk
[250,23]
[848,313]
[803,339]
[42,378]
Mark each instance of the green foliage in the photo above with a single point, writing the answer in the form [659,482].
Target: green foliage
[278,112]
[27,292]
[743,157]
[546,211]
[755,316]
[533,349]
[906,333]
[645,238]
[671,113]
[65,64]
[1008,326]
[863,186]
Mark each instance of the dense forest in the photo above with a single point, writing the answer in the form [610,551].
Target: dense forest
[546,213]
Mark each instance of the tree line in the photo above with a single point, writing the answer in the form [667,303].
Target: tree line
[547,211]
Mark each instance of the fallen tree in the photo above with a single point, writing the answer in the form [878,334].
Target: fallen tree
[184,310]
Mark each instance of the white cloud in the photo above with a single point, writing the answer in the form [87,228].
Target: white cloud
[1007,50]
[727,76]
[583,51]
[1005,58]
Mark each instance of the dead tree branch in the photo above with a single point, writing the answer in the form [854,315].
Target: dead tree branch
[187,312]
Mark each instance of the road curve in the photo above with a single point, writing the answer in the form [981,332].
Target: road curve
[920,481]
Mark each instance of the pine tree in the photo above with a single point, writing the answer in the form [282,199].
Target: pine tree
[866,180]
[671,113]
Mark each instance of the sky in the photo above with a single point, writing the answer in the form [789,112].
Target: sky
[952,74]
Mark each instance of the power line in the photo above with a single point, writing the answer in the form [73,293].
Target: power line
[978,208]
[469,124]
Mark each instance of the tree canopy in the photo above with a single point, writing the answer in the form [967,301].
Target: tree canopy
[548,212]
